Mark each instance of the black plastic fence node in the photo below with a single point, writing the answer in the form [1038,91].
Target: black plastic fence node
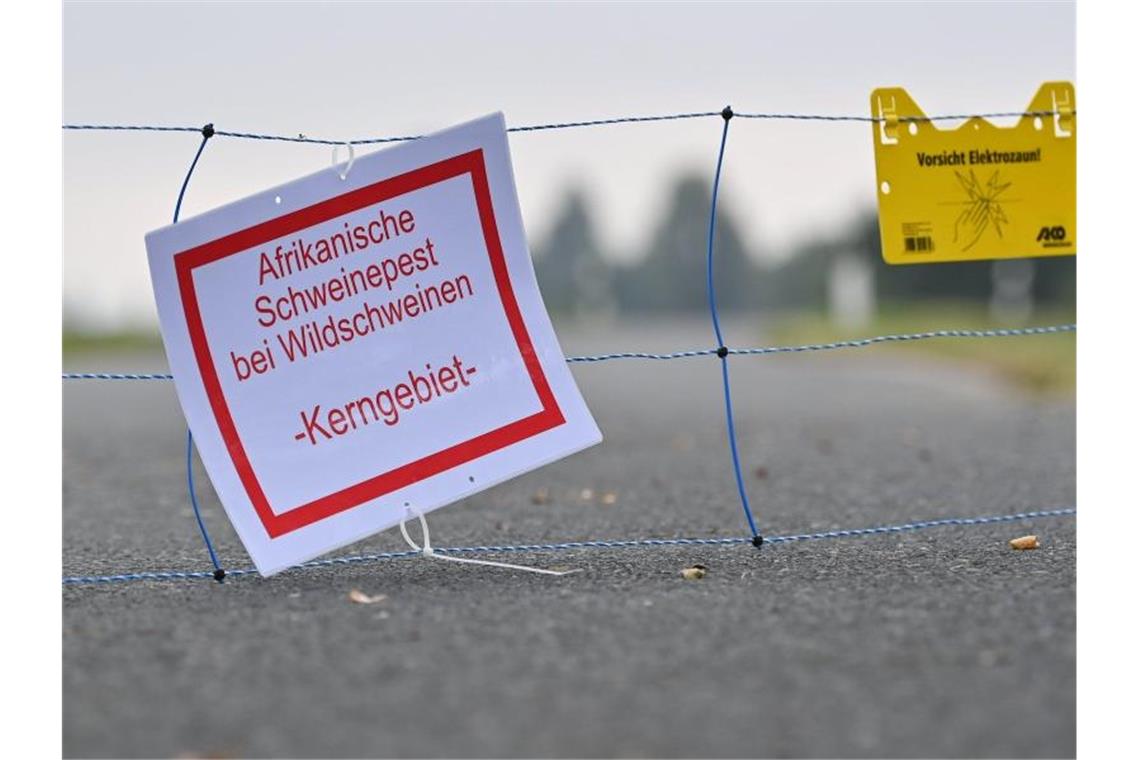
[722,352]
[757,540]
[726,113]
[208,131]
[219,575]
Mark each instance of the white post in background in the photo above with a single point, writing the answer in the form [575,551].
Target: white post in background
[1012,297]
[851,299]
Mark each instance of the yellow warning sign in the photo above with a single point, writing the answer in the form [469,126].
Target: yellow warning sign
[977,191]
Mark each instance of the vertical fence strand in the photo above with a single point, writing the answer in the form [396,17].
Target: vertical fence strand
[722,349]
[219,573]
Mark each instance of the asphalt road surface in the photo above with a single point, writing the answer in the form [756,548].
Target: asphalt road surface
[940,643]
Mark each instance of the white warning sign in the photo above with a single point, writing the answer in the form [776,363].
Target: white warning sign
[344,348]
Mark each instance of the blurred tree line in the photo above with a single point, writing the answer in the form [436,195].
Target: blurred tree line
[577,276]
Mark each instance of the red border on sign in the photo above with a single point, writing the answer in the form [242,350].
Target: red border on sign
[550,416]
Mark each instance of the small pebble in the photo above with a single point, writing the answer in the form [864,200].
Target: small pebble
[356,596]
[694,573]
[682,442]
[1024,543]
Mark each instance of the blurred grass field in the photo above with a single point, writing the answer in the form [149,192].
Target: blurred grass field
[79,343]
[1042,364]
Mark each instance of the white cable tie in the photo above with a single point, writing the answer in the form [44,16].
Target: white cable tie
[348,166]
[427,551]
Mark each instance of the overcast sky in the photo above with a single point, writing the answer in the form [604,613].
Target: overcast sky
[348,71]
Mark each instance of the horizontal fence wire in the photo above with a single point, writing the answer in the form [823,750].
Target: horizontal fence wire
[301,138]
[1003,332]
[637,543]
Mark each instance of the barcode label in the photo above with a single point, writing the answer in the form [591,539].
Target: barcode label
[918,244]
